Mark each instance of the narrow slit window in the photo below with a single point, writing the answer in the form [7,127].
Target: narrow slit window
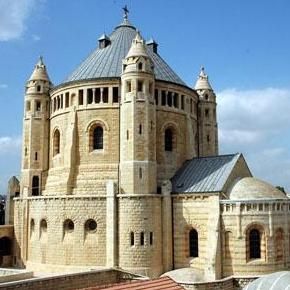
[132,239]
[142,238]
[151,238]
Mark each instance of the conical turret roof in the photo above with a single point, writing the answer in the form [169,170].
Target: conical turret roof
[39,72]
[138,47]
[107,62]
[202,82]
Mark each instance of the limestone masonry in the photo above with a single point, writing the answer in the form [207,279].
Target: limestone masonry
[120,168]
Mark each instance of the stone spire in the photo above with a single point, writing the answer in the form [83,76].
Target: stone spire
[138,47]
[202,82]
[39,72]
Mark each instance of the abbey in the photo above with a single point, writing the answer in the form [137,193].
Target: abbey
[120,168]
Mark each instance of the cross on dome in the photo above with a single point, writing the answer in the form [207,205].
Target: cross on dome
[126,12]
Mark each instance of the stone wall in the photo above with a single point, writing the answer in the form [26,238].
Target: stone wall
[58,243]
[137,215]
[71,281]
[272,221]
[199,212]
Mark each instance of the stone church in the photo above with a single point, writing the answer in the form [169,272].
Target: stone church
[120,168]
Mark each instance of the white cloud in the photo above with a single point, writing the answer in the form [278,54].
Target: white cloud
[256,123]
[3,86]
[10,144]
[13,14]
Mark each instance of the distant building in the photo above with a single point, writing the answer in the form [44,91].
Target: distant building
[120,168]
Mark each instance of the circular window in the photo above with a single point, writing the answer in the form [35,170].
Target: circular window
[69,225]
[91,225]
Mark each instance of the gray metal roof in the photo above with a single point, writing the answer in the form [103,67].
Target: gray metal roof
[107,62]
[204,174]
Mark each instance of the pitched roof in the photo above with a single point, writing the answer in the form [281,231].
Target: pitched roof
[107,62]
[204,174]
[154,284]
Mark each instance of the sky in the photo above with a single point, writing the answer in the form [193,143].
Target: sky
[244,46]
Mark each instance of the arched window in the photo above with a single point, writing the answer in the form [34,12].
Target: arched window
[255,244]
[193,243]
[90,226]
[168,140]
[43,229]
[35,185]
[32,227]
[98,138]
[56,142]
[68,226]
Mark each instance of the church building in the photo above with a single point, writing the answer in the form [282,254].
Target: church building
[120,168]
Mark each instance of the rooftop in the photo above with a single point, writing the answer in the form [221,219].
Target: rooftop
[204,174]
[106,62]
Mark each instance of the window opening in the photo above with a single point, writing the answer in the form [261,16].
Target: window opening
[106,95]
[98,138]
[132,239]
[142,239]
[193,243]
[255,244]
[35,185]
[168,140]
[115,94]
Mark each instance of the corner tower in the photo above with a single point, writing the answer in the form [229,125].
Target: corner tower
[207,120]
[35,131]
[139,205]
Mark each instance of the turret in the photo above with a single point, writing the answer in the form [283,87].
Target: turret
[138,115]
[207,120]
[140,208]
[35,130]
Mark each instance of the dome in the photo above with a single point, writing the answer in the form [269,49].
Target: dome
[274,281]
[185,275]
[107,62]
[250,188]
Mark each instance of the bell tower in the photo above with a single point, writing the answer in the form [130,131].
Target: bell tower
[207,120]
[35,142]
[139,204]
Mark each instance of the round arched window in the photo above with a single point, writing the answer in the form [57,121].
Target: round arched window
[68,225]
[90,225]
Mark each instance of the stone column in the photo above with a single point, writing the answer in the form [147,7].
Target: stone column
[167,226]
[111,229]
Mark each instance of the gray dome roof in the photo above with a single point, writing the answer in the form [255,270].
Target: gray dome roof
[107,62]
[250,188]
[274,281]
[185,275]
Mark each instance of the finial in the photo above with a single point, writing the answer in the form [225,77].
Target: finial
[40,61]
[202,72]
[126,12]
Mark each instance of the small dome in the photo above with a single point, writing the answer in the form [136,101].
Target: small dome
[250,188]
[274,281]
[185,275]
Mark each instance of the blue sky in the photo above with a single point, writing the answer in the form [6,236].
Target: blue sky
[243,44]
